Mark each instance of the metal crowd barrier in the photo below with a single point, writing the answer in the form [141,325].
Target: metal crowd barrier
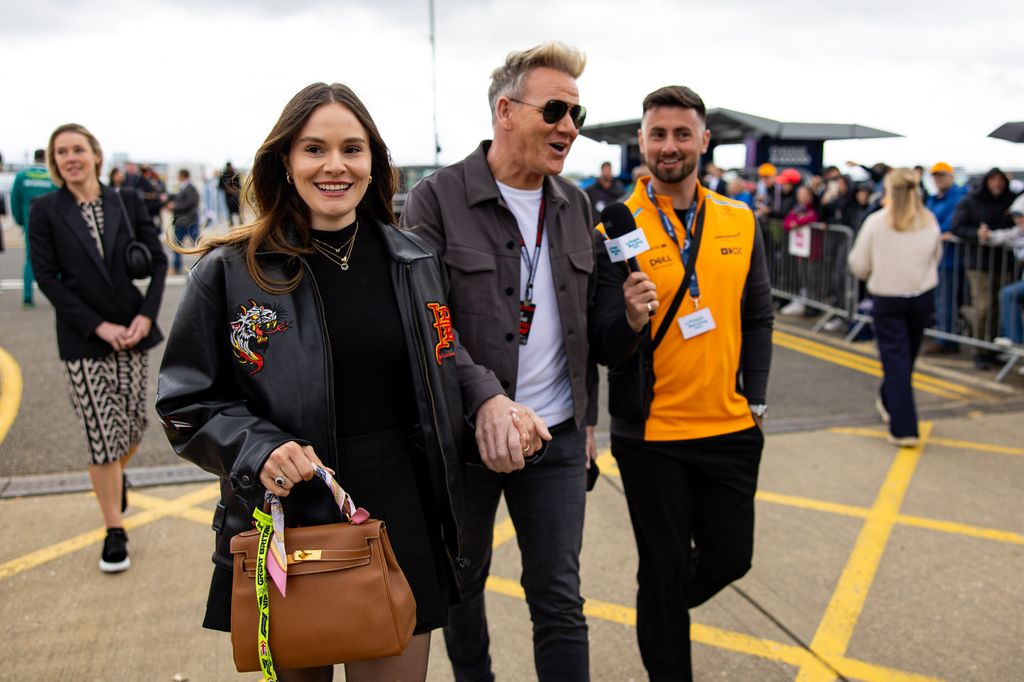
[810,266]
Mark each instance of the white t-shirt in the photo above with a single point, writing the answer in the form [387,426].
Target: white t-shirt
[543,379]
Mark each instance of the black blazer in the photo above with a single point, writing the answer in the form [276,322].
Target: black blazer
[84,288]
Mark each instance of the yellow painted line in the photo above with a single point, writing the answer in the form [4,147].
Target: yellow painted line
[608,464]
[866,365]
[843,611]
[503,532]
[854,511]
[201,516]
[945,442]
[10,392]
[962,529]
[96,536]
[972,445]
[814,505]
[726,639]
[794,341]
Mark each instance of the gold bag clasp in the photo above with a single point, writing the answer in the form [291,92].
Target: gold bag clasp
[305,555]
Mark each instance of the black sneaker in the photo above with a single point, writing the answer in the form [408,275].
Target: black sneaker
[115,552]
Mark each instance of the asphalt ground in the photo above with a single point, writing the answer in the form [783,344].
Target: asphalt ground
[871,562]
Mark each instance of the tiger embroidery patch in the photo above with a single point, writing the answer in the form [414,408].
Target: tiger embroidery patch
[251,330]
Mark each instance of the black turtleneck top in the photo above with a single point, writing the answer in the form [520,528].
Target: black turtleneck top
[373,387]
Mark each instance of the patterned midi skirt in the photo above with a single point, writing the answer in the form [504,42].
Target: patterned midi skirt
[109,398]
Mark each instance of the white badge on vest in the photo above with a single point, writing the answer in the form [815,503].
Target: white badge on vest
[696,323]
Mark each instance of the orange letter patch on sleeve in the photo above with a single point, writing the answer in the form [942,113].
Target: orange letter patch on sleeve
[445,335]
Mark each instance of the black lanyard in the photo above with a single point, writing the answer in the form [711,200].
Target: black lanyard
[533,263]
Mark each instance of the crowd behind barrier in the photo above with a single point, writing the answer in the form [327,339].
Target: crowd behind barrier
[810,267]
[810,223]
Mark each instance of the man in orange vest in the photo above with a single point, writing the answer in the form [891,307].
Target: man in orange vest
[686,330]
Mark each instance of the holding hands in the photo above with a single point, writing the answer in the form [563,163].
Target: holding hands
[507,433]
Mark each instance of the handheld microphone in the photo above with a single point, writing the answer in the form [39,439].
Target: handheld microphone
[618,222]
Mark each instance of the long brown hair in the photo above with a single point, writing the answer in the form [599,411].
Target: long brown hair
[277,204]
[903,200]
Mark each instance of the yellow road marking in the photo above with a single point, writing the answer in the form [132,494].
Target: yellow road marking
[946,442]
[843,611]
[10,392]
[802,342]
[95,536]
[811,504]
[607,464]
[867,365]
[201,516]
[503,532]
[726,639]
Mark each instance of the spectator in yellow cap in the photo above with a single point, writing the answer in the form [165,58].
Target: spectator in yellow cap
[764,192]
[943,204]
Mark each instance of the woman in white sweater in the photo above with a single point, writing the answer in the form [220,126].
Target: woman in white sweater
[897,251]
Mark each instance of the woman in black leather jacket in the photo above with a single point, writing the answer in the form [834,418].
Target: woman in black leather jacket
[320,334]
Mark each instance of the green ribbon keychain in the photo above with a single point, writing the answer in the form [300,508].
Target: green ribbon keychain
[265,525]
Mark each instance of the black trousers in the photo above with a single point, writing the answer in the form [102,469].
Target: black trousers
[899,328]
[692,508]
[546,502]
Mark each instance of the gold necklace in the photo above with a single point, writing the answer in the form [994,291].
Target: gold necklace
[333,253]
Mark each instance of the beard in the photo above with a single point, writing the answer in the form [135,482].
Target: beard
[686,167]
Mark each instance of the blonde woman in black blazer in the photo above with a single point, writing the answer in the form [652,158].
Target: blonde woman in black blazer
[105,325]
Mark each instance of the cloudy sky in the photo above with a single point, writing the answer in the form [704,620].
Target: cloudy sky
[202,82]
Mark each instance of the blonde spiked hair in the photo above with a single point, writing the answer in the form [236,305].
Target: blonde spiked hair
[509,79]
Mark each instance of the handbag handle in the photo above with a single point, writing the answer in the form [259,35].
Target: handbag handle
[346,505]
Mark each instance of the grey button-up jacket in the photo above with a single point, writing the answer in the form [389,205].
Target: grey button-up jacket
[460,212]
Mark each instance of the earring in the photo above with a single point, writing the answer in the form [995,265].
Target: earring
[288,177]
[369,179]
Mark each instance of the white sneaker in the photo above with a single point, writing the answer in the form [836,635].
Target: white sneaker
[904,441]
[794,307]
[882,412]
[835,324]
[1003,342]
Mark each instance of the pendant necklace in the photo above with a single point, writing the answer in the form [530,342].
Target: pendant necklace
[333,253]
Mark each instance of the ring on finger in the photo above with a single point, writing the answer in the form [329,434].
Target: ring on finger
[650,308]
[280,481]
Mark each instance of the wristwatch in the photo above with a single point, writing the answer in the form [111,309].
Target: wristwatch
[758,410]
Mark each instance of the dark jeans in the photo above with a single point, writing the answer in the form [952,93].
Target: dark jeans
[180,232]
[899,327]
[546,502]
[692,508]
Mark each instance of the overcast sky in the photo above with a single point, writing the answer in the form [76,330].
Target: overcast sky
[203,82]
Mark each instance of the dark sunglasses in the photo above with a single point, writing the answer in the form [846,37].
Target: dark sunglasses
[554,111]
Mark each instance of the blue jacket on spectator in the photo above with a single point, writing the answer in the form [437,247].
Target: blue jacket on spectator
[944,207]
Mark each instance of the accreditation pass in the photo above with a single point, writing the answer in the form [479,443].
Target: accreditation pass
[696,323]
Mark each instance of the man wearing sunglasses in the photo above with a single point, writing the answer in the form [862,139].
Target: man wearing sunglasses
[516,240]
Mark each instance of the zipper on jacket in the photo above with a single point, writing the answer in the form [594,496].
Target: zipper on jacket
[433,406]
[332,428]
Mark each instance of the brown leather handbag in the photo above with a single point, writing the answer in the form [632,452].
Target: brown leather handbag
[346,599]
